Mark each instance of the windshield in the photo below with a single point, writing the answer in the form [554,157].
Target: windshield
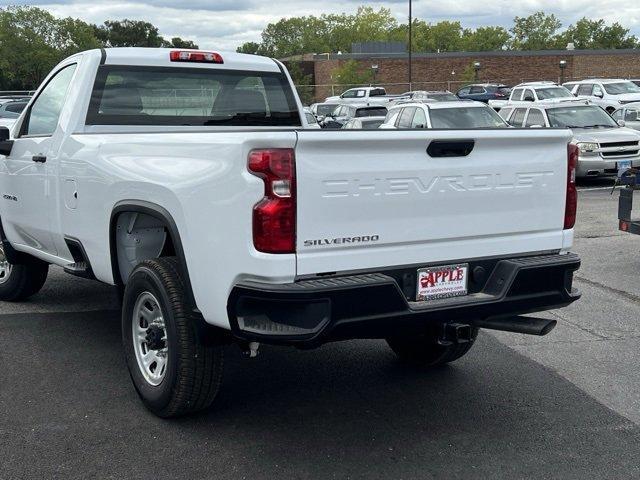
[442,97]
[467,117]
[311,119]
[621,87]
[554,92]
[371,112]
[326,108]
[580,117]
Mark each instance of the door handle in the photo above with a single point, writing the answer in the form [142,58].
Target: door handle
[39,158]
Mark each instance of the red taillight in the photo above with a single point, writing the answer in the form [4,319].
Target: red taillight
[274,217]
[193,56]
[572,193]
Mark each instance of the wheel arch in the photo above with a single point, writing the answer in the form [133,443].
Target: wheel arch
[162,214]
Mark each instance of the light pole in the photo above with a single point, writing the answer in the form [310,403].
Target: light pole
[410,44]
[563,66]
[476,67]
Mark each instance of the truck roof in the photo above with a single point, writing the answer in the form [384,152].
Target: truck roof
[159,57]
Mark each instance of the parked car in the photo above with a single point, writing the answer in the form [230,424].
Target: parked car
[312,122]
[607,93]
[226,223]
[13,108]
[364,123]
[443,115]
[363,96]
[321,110]
[433,95]
[483,92]
[534,92]
[603,143]
[343,113]
[629,114]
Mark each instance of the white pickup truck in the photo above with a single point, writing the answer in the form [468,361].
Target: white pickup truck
[189,180]
[364,96]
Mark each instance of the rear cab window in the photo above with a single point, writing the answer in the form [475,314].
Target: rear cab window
[131,95]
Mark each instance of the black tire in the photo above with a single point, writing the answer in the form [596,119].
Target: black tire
[193,371]
[425,351]
[19,282]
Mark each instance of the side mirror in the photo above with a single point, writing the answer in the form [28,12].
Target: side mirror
[598,95]
[528,99]
[622,123]
[5,144]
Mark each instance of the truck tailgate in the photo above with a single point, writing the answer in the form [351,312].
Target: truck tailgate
[371,199]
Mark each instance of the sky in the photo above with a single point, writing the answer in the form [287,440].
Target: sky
[226,24]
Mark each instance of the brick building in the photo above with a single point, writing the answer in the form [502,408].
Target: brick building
[446,70]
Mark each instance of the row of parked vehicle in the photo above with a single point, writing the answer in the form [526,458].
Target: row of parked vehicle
[604,114]
[11,106]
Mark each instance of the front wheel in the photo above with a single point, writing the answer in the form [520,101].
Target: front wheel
[20,281]
[424,350]
[172,371]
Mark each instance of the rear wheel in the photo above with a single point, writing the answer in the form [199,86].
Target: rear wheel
[20,281]
[425,351]
[172,371]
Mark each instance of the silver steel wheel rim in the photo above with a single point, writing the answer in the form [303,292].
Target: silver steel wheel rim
[5,267]
[147,320]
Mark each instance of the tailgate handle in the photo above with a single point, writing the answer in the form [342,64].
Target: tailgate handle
[450,148]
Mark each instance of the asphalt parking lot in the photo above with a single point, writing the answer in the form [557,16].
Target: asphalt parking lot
[563,406]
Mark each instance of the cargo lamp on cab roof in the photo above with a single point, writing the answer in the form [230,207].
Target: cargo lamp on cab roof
[195,56]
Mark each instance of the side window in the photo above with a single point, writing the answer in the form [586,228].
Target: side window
[350,94]
[518,117]
[464,91]
[505,112]
[535,118]
[406,117]
[477,90]
[585,89]
[361,94]
[42,118]
[631,115]
[392,117]
[419,119]
[517,94]
[528,96]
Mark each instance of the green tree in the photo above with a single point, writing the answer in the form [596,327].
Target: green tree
[595,34]
[253,48]
[32,42]
[485,39]
[535,32]
[128,33]
[177,42]
[351,74]
[302,82]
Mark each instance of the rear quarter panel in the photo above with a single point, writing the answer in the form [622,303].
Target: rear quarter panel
[201,179]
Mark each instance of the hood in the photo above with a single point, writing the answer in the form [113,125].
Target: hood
[599,135]
[628,97]
[7,122]
[332,99]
